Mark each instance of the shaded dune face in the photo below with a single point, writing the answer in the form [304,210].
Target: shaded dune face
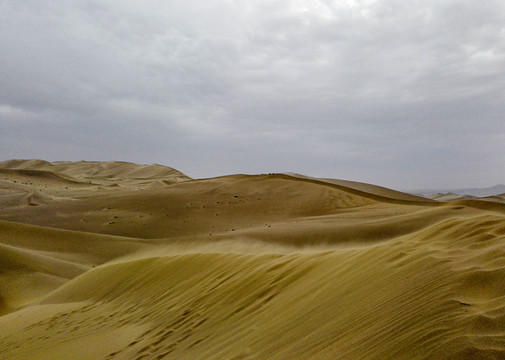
[124,261]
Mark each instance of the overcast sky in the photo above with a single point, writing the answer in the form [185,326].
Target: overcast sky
[404,94]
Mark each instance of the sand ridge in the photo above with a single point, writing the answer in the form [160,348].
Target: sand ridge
[125,261]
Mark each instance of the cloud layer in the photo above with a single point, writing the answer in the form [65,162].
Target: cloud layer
[402,94]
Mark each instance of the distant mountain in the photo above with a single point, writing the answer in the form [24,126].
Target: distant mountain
[479,192]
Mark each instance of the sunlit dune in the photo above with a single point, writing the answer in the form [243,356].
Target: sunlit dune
[111,260]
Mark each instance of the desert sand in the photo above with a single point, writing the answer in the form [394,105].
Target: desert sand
[112,260]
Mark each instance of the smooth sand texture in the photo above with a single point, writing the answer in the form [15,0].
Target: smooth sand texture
[123,261]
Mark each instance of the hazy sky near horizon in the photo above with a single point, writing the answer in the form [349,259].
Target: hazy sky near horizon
[404,94]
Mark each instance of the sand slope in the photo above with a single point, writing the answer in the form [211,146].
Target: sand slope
[36,260]
[245,267]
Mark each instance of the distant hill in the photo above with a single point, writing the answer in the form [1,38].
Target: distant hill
[479,192]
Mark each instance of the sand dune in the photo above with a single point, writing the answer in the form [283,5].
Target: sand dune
[450,197]
[124,261]
[104,173]
[380,192]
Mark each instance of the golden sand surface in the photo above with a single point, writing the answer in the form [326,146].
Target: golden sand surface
[113,260]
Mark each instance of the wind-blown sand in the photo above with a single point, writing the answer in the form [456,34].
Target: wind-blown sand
[122,261]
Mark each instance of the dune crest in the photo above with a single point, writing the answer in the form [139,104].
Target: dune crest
[123,261]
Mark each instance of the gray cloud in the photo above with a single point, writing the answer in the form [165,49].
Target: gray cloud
[403,94]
